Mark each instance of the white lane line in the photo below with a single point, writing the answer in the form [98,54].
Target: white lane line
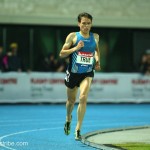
[22,132]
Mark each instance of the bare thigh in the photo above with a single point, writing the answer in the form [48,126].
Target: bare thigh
[85,86]
[72,93]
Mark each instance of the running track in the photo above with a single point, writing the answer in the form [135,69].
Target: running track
[41,126]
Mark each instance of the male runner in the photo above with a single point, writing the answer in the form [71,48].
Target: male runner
[82,48]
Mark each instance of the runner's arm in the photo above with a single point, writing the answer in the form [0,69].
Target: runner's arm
[66,50]
[97,52]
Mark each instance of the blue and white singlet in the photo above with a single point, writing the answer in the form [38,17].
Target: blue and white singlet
[82,61]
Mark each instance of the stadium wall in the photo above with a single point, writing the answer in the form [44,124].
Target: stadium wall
[49,88]
[106,13]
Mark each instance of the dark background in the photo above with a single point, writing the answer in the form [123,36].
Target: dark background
[121,48]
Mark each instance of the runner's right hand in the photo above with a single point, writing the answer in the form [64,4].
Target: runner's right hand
[80,45]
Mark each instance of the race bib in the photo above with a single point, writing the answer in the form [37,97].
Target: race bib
[85,58]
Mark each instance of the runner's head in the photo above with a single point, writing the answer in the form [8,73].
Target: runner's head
[85,22]
[85,15]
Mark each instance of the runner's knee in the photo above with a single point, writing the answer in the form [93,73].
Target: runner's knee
[83,98]
[71,101]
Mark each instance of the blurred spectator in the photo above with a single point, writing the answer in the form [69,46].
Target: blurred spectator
[50,64]
[12,62]
[1,58]
[62,65]
[145,63]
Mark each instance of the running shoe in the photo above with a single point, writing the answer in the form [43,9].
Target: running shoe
[67,127]
[77,135]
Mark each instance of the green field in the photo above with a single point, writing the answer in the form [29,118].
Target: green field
[134,146]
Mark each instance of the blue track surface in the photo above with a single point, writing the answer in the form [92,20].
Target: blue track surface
[41,126]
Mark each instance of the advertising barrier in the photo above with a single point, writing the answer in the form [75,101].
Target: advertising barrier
[49,87]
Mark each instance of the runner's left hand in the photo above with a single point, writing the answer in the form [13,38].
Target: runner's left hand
[97,66]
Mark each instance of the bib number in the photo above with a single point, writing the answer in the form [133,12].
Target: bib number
[85,58]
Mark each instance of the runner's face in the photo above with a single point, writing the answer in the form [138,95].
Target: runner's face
[85,25]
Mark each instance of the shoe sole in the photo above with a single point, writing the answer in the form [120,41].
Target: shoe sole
[67,132]
[78,139]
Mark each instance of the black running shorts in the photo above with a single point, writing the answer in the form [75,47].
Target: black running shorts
[74,79]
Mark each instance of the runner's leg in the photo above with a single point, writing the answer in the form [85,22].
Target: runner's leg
[71,93]
[84,90]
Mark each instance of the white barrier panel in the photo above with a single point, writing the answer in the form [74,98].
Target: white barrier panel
[49,87]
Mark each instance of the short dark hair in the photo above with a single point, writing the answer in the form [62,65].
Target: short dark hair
[84,14]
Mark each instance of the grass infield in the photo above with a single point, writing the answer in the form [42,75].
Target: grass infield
[134,146]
